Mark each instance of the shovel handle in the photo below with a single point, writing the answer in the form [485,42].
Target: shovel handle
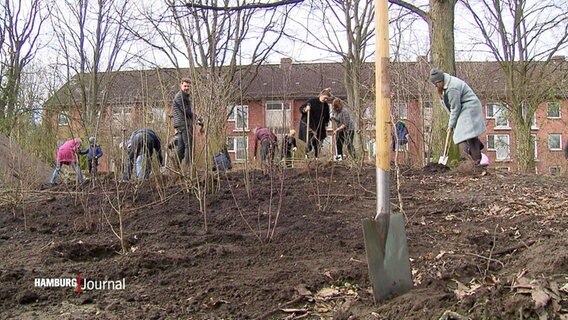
[447,142]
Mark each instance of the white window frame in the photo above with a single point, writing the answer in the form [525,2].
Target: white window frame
[397,107]
[490,106]
[63,119]
[233,147]
[559,148]
[503,139]
[525,109]
[156,115]
[548,105]
[233,114]
[122,111]
[500,113]
[283,105]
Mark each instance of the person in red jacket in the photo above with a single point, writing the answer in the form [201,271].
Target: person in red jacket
[67,154]
[268,142]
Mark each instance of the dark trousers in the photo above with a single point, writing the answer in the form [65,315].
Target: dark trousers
[470,149]
[345,138]
[184,147]
[92,164]
[313,144]
[267,149]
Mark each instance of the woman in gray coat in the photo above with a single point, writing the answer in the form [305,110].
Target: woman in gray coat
[466,114]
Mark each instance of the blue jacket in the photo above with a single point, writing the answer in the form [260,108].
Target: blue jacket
[92,152]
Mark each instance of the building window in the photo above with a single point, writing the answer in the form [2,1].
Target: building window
[498,112]
[63,119]
[525,111]
[555,142]
[278,117]
[554,171]
[239,146]
[277,105]
[553,110]
[490,110]
[122,116]
[156,115]
[118,112]
[239,115]
[500,144]
[400,110]
[534,145]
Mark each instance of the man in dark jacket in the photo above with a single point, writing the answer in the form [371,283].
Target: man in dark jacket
[182,114]
[141,146]
[317,110]
[93,152]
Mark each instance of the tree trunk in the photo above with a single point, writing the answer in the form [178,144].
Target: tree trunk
[443,57]
[442,35]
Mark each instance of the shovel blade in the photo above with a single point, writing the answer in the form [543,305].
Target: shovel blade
[443,160]
[387,256]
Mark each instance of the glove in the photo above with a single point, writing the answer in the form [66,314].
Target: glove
[200,121]
[294,149]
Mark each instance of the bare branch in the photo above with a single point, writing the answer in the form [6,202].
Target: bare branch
[243,7]
[423,14]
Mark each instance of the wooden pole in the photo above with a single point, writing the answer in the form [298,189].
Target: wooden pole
[383,125]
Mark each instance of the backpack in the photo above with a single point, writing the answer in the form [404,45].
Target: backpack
[222,161]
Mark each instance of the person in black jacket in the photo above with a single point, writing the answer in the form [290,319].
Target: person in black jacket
[182,118]
[317,110]
[289,147]
[141,146]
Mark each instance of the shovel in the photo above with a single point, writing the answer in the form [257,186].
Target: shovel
[385,237]
[444,157]
[308,132]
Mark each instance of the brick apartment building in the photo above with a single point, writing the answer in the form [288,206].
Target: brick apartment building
[136,99]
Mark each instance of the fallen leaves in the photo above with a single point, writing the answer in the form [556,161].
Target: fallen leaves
[543,292]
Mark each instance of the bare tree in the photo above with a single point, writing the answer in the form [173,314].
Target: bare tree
[523,37]
[90,42]
[19,40]
[440,16]
[345,29]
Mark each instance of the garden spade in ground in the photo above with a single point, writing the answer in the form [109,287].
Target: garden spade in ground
[385,236]
[444,157]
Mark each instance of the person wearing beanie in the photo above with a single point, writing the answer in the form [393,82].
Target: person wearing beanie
[67,154]
[93,152]
[466,120]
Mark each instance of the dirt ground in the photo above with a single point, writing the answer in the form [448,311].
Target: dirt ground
[481,246]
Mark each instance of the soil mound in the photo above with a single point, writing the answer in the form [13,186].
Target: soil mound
[288,246]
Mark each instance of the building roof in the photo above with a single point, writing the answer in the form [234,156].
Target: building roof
[286,81]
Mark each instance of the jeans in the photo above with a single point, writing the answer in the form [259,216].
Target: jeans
[184,146]
[75,167]
[143,167]
[345,137]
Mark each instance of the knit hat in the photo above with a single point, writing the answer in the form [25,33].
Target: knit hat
[92,140]
[436,76]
